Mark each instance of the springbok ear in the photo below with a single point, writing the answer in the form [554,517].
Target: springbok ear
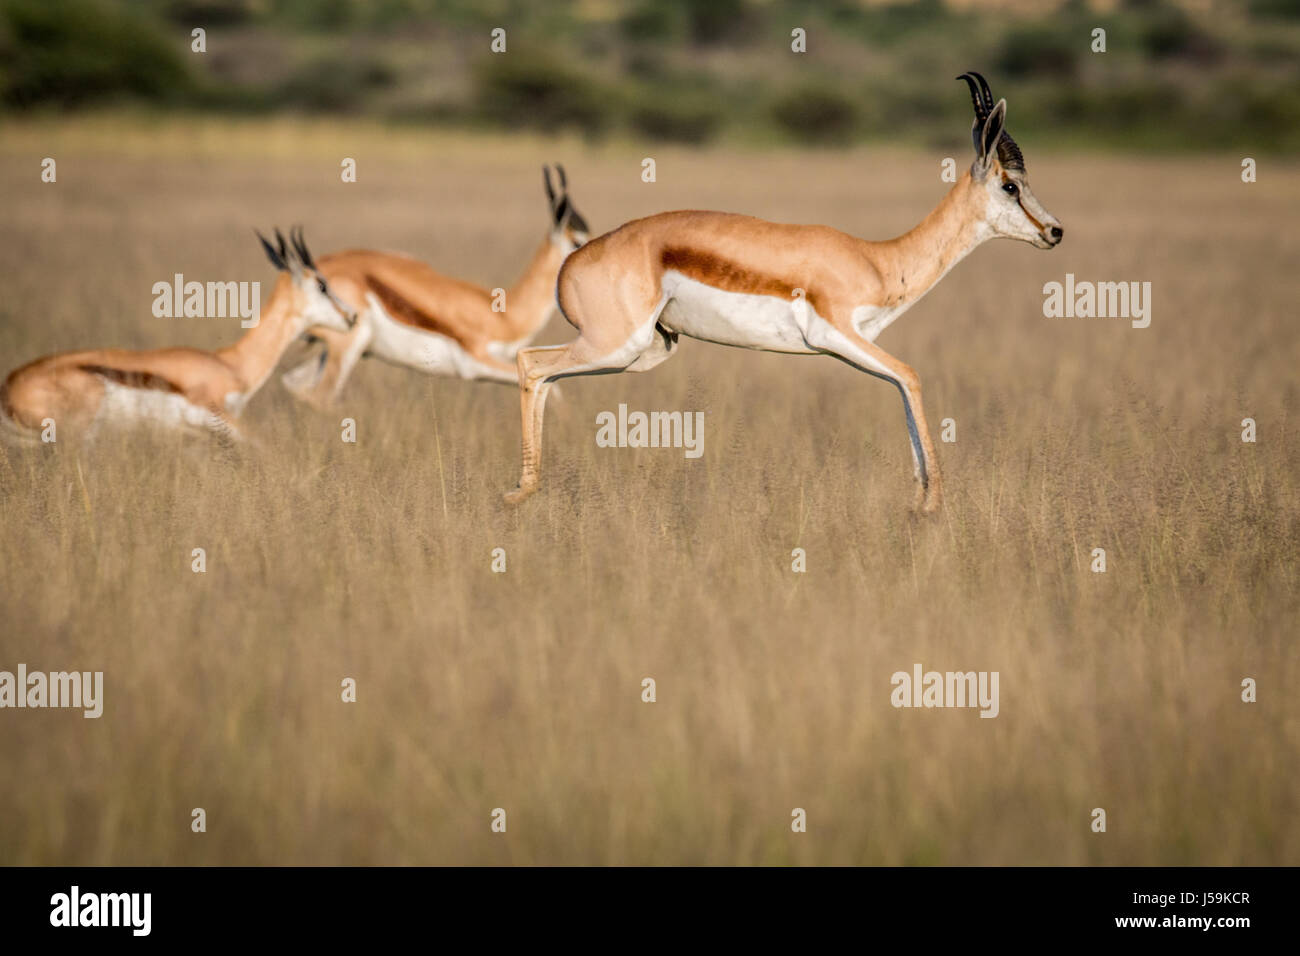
[992,131]
[292,261]
[576,222]
[276,258]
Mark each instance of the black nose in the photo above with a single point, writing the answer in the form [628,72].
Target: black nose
[1057,233]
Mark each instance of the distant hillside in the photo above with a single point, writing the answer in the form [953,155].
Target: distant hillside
[1174,75]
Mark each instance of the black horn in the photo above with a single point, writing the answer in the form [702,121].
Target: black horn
[300,245]
[546,180]
[987,93]
[276,258]
[980,110]
[1009,154]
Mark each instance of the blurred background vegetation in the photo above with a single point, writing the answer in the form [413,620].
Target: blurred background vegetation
[1177,74]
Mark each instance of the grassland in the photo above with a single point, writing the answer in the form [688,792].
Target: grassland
[522,690]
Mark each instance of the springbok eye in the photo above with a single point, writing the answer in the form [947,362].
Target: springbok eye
[1011,189]
[320,284]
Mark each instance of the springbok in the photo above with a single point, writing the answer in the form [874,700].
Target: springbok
[805,290]
[412,316]
[183,388]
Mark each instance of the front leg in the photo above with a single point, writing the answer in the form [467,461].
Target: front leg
[227,431]
[303,377]
[843,341]
[353,348]
[319,380]
[487,367]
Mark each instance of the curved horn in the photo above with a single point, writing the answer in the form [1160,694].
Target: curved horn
[564,180]
[1009,154]
[283,250]
[546,180]
[300,244]
[981,111]
[988,95]
[277,260]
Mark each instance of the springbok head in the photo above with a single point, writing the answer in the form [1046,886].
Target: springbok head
[1010,207]
[568,228]
[314,303]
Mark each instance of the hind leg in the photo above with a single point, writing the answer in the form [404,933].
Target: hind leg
[540,367]
[70,398]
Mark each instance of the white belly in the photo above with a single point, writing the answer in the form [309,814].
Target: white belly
[122,403]
[428,352]
[506,351]
[747,321]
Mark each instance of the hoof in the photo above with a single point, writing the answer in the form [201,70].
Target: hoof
[306,394]
[517,495]
[928,503]
[929,507]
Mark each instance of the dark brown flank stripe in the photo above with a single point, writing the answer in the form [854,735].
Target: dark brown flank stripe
[132,379]
[407,312]
[722,274]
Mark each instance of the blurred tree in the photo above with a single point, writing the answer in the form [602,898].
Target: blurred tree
[80,51]
[533,90]
[703,22]
[1038,49]
[816,114]
[682,119]
[336,83]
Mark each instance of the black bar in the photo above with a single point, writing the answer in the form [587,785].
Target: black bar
[622,905]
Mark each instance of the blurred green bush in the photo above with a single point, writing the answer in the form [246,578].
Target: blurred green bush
[1177,74]
[74,52]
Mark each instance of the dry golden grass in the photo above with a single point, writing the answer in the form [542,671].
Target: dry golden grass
[522,690]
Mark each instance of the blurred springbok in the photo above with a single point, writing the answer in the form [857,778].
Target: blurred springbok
[182,388]
[806,290]
[411,315]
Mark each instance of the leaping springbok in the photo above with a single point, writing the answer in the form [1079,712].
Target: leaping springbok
[183,388]
[412,316]
[805,290]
